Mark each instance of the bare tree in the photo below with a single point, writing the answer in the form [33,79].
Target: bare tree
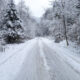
[64,21]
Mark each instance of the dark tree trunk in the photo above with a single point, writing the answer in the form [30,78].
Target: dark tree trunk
[64,22]
[65,30]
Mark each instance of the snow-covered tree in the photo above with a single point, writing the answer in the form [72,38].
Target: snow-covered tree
[62,20]
[11,28]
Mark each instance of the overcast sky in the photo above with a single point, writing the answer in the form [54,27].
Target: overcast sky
[37,7]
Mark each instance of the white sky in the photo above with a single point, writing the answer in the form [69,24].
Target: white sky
[37,7]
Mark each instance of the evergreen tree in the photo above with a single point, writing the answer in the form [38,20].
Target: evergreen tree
[12,28]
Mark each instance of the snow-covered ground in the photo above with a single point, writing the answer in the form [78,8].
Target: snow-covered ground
[12,60]
[66,54]
[39,59]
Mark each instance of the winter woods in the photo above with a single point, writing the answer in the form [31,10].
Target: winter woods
[61,21]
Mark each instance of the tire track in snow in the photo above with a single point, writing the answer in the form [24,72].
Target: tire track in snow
[43,56]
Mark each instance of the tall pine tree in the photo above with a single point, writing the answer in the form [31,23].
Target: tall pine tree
[12,28]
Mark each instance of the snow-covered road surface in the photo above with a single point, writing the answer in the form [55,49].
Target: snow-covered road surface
[37,60]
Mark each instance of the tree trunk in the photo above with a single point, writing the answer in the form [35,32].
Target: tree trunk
[65,30]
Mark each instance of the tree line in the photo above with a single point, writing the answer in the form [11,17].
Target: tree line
[62,21]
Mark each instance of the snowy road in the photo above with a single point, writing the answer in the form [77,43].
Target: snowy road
[37,60]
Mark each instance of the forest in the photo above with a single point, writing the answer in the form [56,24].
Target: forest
[61,22]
